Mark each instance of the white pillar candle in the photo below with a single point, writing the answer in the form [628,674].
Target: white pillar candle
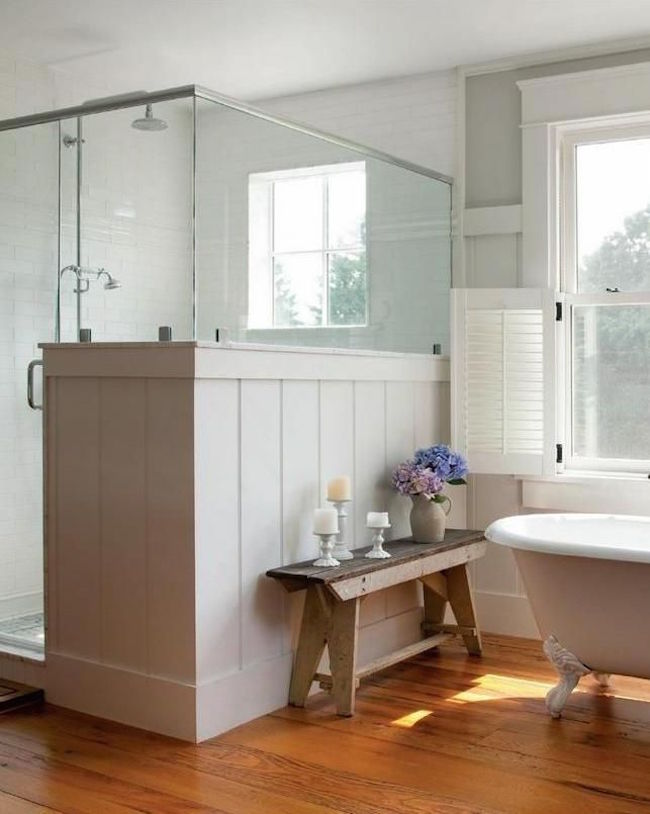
[377,520]
[339,488]
[326,521]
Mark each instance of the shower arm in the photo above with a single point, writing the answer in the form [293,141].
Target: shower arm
[82,274]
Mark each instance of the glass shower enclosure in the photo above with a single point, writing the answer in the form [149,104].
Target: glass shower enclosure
[198,214]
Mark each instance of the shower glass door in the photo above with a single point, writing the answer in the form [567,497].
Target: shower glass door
[29,256]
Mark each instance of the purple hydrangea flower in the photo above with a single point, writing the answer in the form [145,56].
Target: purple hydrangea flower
[442,460]
[412,479]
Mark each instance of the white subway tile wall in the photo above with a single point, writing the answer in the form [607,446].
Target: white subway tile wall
[136,205]
[413,118]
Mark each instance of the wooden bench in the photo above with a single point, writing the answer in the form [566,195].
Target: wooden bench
[331,612]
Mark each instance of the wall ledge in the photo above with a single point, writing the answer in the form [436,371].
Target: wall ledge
[583,493]
[209,360]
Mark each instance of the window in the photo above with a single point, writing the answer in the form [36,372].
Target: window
[606,277]
[307,247]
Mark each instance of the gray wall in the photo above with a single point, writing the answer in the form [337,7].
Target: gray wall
[492,118]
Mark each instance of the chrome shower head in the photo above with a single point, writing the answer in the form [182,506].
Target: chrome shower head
[111,282]
[149,122]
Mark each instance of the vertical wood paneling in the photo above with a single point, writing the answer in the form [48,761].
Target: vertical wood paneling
[50,557]
[195,489]
[442,411]
[337,440]
[300,485]
[170,528]
[77,578]
[370,486]
[216,413]
[300,468]
[400,444]
[261,520]
[123,522]
[432,413]
[424,414]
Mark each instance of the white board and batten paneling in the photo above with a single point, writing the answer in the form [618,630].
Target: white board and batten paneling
[493,247]
[169,496]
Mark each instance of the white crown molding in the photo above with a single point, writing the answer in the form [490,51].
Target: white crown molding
[534,58]
[623,90]
[593,74]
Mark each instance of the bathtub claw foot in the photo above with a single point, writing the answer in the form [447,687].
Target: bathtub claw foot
[570,669]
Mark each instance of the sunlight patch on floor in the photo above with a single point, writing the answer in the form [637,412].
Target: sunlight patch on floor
[407,721]
[496,688]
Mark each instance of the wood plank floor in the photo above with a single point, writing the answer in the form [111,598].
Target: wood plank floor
[441,734]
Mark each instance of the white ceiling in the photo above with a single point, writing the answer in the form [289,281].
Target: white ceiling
[261,48]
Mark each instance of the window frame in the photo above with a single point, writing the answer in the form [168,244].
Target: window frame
[570,139]
[324,171]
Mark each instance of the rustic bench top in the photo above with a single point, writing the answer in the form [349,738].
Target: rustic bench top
[402,551]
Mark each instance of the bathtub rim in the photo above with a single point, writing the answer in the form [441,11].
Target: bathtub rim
[499,533]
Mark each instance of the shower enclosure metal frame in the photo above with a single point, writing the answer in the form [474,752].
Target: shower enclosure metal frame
[73,118]
[195,92]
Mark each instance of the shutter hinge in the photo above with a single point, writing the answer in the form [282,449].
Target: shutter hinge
[558,312]
[559,454]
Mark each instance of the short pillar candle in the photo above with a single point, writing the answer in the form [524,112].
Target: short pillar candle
[339,489]
[326,526]
[377,521]
[326,521]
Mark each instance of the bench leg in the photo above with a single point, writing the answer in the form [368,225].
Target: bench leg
[435,598]
[462,604]
[342,645]
[311,644]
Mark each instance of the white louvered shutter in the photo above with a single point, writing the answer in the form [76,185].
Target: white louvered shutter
[503,379]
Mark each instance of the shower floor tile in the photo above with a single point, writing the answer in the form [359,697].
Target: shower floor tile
[23,631]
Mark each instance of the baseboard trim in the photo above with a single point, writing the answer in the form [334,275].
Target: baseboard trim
[147,702]
[226,702]
[507,614]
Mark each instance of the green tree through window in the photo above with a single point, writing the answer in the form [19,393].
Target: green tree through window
[612,349]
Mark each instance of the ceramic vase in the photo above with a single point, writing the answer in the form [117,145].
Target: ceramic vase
[428,519]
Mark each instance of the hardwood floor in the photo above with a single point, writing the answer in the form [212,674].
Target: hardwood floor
[440,734]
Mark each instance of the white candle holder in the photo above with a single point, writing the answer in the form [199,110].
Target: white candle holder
[341,551]
[377,552]
[326,546]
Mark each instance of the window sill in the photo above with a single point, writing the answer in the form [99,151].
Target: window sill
[588,492]
[588,478]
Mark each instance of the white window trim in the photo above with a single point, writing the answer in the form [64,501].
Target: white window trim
[267,179]
[554,108]
[569,139]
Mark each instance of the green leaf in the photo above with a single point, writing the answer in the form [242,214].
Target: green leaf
[457,482]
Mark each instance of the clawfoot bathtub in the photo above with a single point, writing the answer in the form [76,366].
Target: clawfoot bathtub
[588,581]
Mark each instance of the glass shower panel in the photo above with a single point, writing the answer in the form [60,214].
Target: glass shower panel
[29,236]
[136,207]
[409,259]
[304,242]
